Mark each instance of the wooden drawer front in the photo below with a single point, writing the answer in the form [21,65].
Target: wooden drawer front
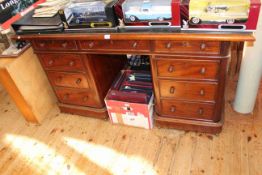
[188,69]
[69,62]
[141,46]
[188,90]
[187,110]
[75,97]
[55,45]
[76,80]
[195,47]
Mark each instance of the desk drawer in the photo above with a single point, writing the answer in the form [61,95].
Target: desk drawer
[188,110]
[64,62]
[75,97]
[127,46]
[188,69]
[193,47]
[184,90]
[75,80]
[63,45]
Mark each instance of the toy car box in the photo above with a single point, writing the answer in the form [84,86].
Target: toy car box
[149,12]
[222,15]
[130,100]
[89,14]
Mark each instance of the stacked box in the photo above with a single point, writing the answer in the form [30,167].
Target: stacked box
[130,102]
[89,14]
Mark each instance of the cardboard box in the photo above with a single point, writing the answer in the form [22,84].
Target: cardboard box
[157,13]
[129,101]
[93,14]
[131,114]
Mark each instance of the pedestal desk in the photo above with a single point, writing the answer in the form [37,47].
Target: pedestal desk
[188,69]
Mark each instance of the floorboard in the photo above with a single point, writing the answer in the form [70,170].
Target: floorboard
[68,144]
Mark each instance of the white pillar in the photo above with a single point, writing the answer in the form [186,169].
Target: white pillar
[250,74]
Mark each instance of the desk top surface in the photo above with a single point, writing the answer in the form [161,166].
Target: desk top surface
[207,36]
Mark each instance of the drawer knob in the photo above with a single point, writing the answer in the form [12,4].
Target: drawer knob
[200,111]
[71,63]
[203,70]
[78,81]
[202,92]
[185,44]
[173,109]
[172,90]
[171,68]
[168,45]
[85,98]
[66,96]
[91,44]
[134,44]
[42,44]
[64,44]
[202,46]
[50,62]
[59,79]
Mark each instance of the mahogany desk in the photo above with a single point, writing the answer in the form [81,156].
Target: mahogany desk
[188,69]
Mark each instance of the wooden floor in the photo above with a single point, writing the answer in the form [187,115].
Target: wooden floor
[66,144]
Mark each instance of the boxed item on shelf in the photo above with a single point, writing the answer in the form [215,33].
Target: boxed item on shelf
[149,12]
[130,99]
[89,14]
[233,15]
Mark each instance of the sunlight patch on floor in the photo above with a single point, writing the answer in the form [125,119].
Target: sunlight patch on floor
[42,158]
[111,160]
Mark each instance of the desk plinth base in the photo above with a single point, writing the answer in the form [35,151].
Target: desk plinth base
[84,111]
[189,125]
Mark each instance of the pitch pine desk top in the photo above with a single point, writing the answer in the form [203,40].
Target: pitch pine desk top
[190,36]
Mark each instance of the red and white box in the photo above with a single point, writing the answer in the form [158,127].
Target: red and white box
[131,114]
[132,106]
